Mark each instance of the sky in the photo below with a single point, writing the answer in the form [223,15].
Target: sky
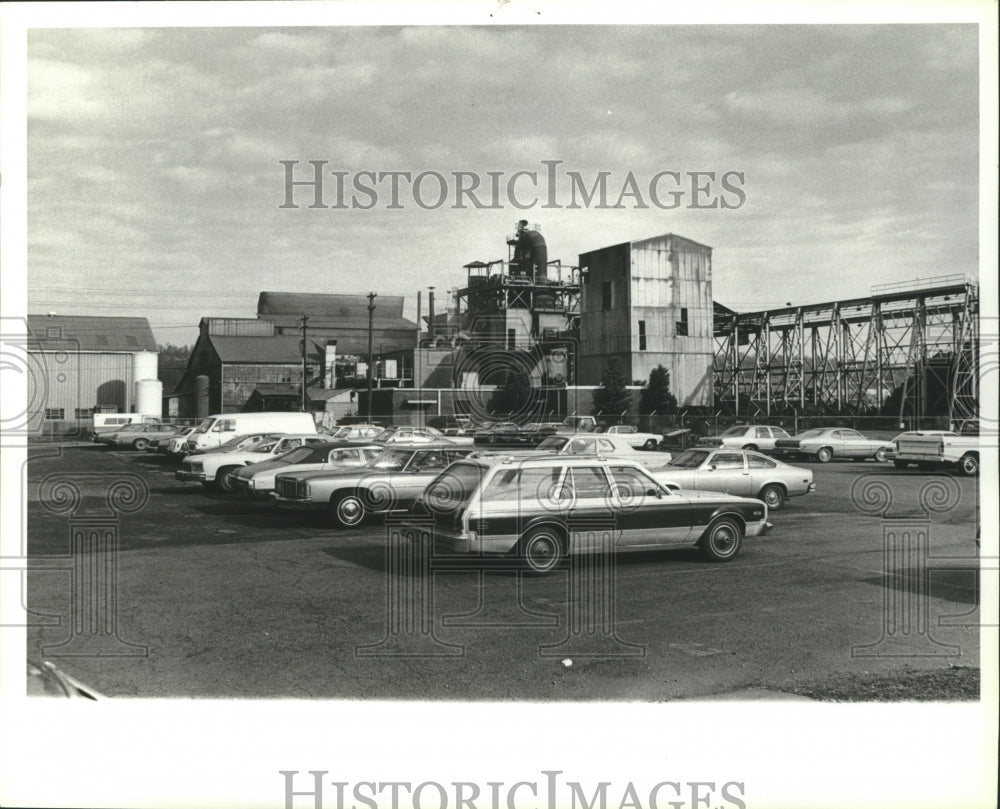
[155,181]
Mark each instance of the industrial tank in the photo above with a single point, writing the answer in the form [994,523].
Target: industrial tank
[149,397]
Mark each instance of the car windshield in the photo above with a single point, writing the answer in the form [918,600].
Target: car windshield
[689,459]
[553,443]
[393,459]
[205,426]
[736,431]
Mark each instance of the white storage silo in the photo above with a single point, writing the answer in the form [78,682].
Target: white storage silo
[149,397]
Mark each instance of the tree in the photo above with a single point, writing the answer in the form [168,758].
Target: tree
[656,396]
[172,362]
[613,398]
[513,396]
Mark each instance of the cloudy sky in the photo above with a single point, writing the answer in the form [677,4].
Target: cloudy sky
[155,185]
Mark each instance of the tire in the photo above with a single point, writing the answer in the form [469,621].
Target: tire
[542,550]
[879,455]
[751,448]
[899,464]
[140,444]
[968,465]
[222,478]
[774,495]
[723,540]
[824,455]
[348,510]
[650,444]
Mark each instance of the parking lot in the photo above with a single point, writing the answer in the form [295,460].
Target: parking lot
[215,595]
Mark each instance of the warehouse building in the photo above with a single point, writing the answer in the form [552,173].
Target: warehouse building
[233,356]
[81,365]
[647,303]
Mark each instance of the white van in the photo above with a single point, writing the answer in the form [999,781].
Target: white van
[218,429]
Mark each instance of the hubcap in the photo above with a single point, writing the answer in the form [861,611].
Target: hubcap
[724,538]
[349,510]
[542,551]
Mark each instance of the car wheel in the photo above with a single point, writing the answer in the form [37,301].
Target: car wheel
[880,455]
[348,510]
[750,447]
[650,444]
[542,550]
[969,465]
[899,464]
[824,455]
[773,495]
[140,444]
[722,541]
[222,478]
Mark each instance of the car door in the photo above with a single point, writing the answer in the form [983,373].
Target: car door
[855,444]
[647,512]
[725,472]
[593,519]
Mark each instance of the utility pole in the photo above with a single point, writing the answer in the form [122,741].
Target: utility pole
[304,319]
[371,339]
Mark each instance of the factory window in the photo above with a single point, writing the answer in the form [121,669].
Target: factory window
[511,339]
[642,335]
[83,413]
[606,297]
[52,413]
[682,324]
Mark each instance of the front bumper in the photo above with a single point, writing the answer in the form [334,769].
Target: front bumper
[760,528]
[190,477]
[294,503]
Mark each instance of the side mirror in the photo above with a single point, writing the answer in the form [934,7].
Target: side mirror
[657,493]
[712,467]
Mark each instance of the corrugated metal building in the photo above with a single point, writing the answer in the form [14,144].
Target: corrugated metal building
[649,302]
[85,364]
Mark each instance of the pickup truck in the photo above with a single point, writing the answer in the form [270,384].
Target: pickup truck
[930,449]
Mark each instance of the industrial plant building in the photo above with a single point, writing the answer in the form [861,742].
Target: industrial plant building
[84,365]
[233,356]
[649,303]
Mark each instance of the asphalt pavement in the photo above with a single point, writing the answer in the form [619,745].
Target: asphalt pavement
[212,595]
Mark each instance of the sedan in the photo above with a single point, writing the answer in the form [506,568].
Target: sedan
[746,474]
[138,436]
[747,436]
[390,482]
[826,443]
[258,479]
[214,468]
[636,438]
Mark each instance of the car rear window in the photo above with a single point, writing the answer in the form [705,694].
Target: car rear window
[455,485]
[516,483]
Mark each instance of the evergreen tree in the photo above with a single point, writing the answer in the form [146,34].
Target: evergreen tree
[613,398]
[656,396]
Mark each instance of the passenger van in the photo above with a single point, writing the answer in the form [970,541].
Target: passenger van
[218,429]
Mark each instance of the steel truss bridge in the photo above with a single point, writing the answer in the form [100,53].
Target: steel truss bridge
[849,356]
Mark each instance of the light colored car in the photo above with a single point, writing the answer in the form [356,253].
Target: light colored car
[747,474]
[826,443]
[390,482]
[529,507]
[353,432]
[609,446]
[214,468]
[752,437]
[138,436]
[637,438]
[405,434]
[258,479]
[932,449]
